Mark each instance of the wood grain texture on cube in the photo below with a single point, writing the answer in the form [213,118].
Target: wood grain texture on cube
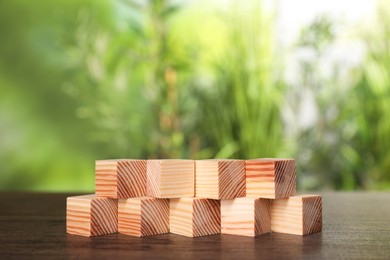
[129,216]
[143,216]
[298,215]
[194,217]
[170,178]
[89,215]
[122,178]
[262,216]
[220,179]
[181,216]
[245,216]
[270,178]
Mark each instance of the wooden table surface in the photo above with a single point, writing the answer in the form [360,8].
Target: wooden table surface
[355,225]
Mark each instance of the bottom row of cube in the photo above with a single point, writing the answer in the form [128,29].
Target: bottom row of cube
[144,216]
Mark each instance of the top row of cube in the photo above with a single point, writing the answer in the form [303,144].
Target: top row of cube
[211,179]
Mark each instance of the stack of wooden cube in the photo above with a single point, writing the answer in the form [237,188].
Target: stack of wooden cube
[194,198]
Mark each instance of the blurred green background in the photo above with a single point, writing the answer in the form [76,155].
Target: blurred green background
[87,80]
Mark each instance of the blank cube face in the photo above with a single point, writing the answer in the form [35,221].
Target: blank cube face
[298,215]
[129,216]
[78,216]
[91,216]
[194,217]
[170,178]
[120,178]
[270,178]
[180,216]
[245,216]
[220,179]
[143,216]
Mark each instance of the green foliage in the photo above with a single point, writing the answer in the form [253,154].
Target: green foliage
[42,141]
[371,95]
[240,115]
[87,80]
[319,146]
[137,88]
[347,147]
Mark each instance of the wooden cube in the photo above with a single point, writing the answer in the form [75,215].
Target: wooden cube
[298,215]
[121,178]
[170,178]
[194,217]
[245,216]
[220,179]
[143,216]
[270,178]
[89,215]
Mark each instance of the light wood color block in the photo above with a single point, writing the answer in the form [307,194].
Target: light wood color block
[194,217]
[220,179]
[120,178]
[143,216]
[170,178]
[270,178]
[298,215]
[245,216]
[89,215]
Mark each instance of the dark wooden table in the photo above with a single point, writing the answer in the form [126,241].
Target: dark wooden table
[355,225]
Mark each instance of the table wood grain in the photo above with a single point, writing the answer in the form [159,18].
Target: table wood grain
[355,225]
